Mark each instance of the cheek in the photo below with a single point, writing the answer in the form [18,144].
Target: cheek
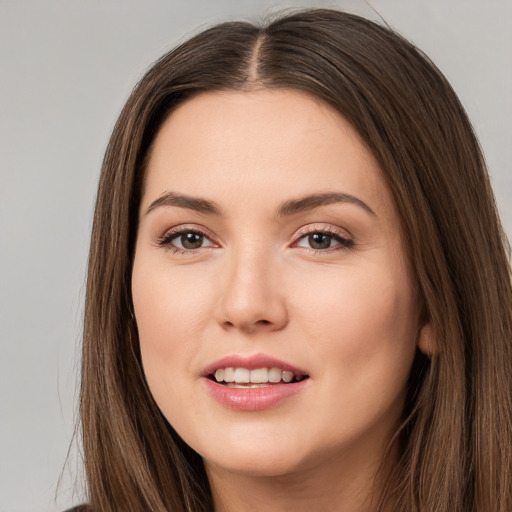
[365,319]
[361,329]
[170,314]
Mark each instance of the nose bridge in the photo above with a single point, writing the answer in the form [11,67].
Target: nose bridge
[251,296]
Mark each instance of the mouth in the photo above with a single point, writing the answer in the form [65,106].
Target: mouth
[245,378]
[254,382]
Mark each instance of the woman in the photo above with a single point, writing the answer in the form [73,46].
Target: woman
[299,294]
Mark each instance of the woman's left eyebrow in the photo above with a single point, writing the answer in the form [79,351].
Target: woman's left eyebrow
[310,202]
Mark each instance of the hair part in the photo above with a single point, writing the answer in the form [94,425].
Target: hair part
[455,440]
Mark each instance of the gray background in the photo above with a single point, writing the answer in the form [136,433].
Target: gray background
[66,68]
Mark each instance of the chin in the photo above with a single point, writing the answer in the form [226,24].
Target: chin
[255,465]
[258,458]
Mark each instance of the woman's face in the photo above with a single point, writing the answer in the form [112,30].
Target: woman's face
[269,249]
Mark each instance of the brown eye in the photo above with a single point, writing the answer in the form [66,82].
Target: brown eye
[323,240]
[320,241]
[191,240]
[185,240]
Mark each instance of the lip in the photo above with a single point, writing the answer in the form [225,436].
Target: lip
[252,399]
[251,363]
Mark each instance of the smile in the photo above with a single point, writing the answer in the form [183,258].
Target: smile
[258,377]
[253,383]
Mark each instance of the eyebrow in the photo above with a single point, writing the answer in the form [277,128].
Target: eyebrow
[287,208]
[314,201]
[184,201]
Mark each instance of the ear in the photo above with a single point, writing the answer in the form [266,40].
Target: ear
[426,340]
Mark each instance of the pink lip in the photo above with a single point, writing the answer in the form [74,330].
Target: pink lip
[251,363]
[252,399]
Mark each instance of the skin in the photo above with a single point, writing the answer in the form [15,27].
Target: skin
[346,313]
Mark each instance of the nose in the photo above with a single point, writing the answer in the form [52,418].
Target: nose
[252,295]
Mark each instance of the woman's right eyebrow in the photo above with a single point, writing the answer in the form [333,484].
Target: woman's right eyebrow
[184,201]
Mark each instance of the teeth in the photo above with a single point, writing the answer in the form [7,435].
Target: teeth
[242,375]
[246,386]
[274,375]
[257,376]
[287,376]
[229,375]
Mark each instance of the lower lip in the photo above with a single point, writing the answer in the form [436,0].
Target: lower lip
[253,399]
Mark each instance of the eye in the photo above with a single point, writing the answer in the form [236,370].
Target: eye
[185,240]
[322,240]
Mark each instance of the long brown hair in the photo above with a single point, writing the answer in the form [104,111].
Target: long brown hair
[455,438]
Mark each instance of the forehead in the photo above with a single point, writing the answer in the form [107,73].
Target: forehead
[277,142]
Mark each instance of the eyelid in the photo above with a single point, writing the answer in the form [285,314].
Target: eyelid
[344,238]
[321,227]
[165,239]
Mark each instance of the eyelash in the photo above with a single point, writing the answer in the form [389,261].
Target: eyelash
[165,241]
[344,242]
[337,235]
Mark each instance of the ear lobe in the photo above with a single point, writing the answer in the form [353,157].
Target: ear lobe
[426,340]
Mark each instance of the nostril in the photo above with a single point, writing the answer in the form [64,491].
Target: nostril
[263,322]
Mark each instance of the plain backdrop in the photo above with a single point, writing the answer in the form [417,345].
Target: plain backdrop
[66,68]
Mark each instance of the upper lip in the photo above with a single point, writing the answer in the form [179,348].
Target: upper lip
[251,363]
